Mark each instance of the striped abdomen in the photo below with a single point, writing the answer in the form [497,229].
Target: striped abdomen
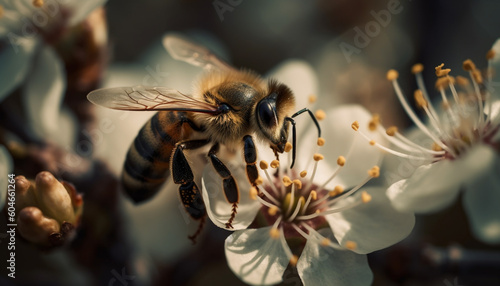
[148,159]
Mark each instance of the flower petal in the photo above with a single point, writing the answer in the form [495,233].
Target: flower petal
[255,257]
[218,208]
[15,58]
[6,167]
[43,94]
[481,204]
[341,140]
[322,265]
[434,186]
[372,226]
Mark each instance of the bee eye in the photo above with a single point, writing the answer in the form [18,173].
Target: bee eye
[224,108]
[266,111]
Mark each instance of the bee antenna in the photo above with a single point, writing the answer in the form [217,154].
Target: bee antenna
[312,117]
[294,139]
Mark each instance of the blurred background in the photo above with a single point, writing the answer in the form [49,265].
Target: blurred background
[349,45]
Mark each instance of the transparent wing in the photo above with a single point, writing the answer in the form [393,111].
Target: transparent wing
[148,98]
[184,50]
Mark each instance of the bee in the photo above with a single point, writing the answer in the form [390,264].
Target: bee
[230,107]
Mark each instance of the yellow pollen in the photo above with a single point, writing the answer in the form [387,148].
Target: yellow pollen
[303,174]
[259,181]
[312,98]
[419,98]
[417,68]
[374,122]
[372,142]
[318,157]
[264,165]
[391,131]
[468,65]
[272,211]
[293,260]
[38,3]
[253,193]
[436,147]
[355,125]
[392,75]
[490,54]
[275,164]
[476,74]
[374,172]
[462,81]
[274,233]
[321,141]
[442,72]
[288,147]
[341,161]
[320,114]
[297,183]
[286,181]
[317,212]
[325,242]
[314,195]
[365,197]
[336,191]
[351,245]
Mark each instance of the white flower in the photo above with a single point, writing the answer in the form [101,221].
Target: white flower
[458,148]
[29,30]
[305,218]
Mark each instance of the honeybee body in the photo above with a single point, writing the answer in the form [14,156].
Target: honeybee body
[229,107]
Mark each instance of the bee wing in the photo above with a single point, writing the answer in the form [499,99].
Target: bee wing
[184,50]
[148,98]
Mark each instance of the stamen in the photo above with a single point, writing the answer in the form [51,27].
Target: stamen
[320,114]
[355,125]
[442,72]
[297,183]
[253,193]
[392,75]
[490,54]
[391,131]
[417,68]
[287,181]
[321,141]
[266,203]
[275,233]
[312,98]
[312,196]
[351,245]
[468,65]
[413,116]
[341,161]
[303,174]
[318,238]
[259,181]
[374,122]
[272,211]
[288,147]
[38,3]
[275,164]
[271,181]
[479,99]
[419,98]
[365,197]
[268,195]
[300,204]
[421,86]
[374,172]
[263,165]
[290,198]
[293,260]
[462,81]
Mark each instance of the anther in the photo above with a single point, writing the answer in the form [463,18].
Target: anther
[436,147]
[365,197]
[462,81]
[293,260]
[468,65]
[419,98]
[272,211]
[374,122]
[391,131]
[263,165]
[313,195]
[444,82]
[476,74]
[303,174]
[320,114]
[38,3]
[417,68]
[440,72]
[286,181]
[355,125]
[274,233]
[318,157]
[275,164]
[374,172]
[372,142]
[259,181]
[351,245]
[336,191]
[325,242]
[297,183]
[288,147]
[341,161]
[490,54]
[312,98]
[392,75]
[321,141]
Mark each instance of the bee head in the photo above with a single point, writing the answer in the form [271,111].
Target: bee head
[271,112]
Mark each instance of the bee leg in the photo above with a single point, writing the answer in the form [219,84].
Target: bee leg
[188,190]
[250,155]
[230,187]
